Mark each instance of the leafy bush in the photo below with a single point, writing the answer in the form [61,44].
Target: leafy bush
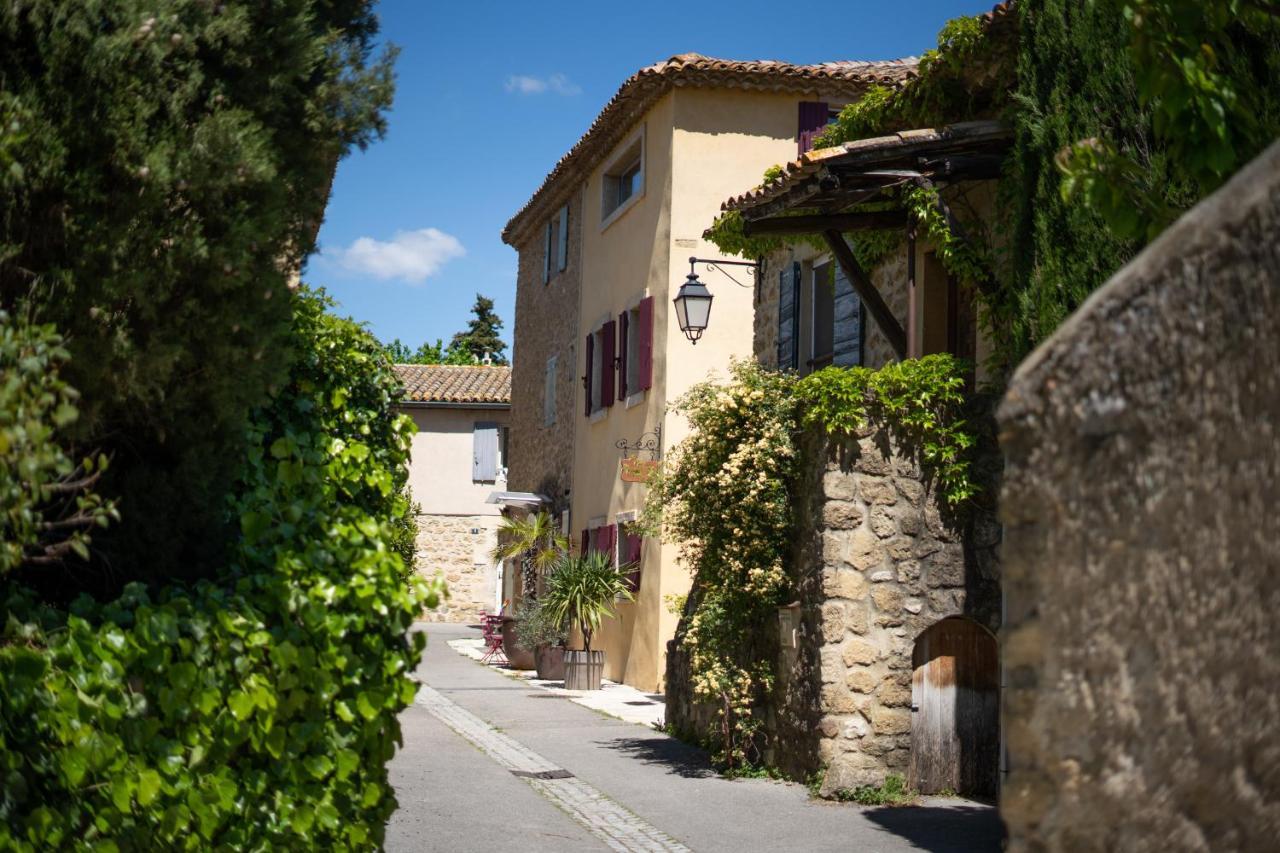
[894,792]
[535,627]
[165,172]
[257,711]
[47,506]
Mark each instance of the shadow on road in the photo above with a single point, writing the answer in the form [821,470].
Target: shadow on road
[943,829]
[679,758]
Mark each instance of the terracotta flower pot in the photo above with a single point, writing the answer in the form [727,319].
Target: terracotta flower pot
[518,657]
[550,660]
[583,670]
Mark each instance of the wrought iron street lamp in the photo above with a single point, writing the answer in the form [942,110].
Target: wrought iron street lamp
[693,301]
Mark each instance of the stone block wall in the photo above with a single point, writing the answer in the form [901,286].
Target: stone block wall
[1143,551]
[447,544]
[879,562]
[541,457]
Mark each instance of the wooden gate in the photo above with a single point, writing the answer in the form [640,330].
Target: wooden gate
[955,709]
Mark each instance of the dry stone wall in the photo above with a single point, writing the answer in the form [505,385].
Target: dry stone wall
[458,546]
[879,561]
[1143,552]
[545,326]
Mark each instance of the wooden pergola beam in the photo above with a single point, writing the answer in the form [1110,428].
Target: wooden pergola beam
[871,297]
[817,224]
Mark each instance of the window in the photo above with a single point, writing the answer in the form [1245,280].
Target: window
[820,318]
[635,370]
[824,315]
[549,393]
[623,180]
[556,244]
[487,451]
[598,379]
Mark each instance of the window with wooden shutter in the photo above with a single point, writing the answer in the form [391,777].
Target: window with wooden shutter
[546,256]
[484,462]
[644,370]
[562,249]
[586,543]
[849,323]
[786,320]
[625,363]
[589,379]
[608,347]
[814,116]
[630,548]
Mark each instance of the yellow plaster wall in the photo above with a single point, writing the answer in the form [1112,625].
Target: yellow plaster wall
[701,146]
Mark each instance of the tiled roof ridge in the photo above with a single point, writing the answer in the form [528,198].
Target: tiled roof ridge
[455,383]
[643,88]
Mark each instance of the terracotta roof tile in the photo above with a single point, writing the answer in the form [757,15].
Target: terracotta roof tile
[646,86]
[447,383]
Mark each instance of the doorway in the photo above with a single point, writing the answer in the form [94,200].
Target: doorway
[955,709]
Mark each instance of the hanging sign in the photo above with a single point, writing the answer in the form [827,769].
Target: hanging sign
[635,470]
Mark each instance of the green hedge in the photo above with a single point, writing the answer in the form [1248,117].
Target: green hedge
[255,711]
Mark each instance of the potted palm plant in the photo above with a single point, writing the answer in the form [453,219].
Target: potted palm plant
[535,629]
[535,540]
[581,591]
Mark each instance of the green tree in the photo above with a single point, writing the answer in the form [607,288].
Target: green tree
[399,353]
[481,338]
[162,175]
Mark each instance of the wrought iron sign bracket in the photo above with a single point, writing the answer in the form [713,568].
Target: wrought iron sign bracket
[649,442]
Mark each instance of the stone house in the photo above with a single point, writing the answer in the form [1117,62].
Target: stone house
[887,660]
[457,459]
[603,245]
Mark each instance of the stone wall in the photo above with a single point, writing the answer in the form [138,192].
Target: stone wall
[459,547]
[1143,551]
[545,326]
[879,561]
[876,563]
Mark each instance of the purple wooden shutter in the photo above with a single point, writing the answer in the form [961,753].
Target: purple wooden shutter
[644,370]
[586,542]
[608,341]
[608,536]
[624,329]
[631,554]
[591,363]
[813,118]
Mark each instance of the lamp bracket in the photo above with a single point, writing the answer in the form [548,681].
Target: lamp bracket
[650,442]
[753,268]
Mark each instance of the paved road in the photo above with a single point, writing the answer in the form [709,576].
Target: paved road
[477,743]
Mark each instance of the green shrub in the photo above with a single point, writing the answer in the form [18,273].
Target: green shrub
[169,166]
[257,711]
[535,627]
[894,792]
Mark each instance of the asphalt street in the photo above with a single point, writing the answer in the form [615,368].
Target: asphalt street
[460,785]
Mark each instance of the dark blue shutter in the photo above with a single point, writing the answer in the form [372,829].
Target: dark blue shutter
[848,323]
[789,318]
[484,464]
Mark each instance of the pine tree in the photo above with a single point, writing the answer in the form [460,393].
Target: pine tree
[481,338]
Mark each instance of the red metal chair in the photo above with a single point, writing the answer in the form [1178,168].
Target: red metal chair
[493,637]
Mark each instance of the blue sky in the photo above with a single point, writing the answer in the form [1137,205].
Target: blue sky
[490,94]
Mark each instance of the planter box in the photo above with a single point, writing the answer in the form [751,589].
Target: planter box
[517,656]
[583,670]
[550,660]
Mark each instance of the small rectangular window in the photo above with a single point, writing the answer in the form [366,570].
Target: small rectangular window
[623,179]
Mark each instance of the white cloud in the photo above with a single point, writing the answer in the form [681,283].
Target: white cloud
[558,83]
[410,256]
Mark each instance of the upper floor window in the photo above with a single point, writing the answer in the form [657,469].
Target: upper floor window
[489,452]
[619,358]
[814,118]
[623,180]
[556,250]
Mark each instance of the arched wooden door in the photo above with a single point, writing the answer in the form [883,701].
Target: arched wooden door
[955,709]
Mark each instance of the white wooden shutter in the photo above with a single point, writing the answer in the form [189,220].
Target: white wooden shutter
[484,465]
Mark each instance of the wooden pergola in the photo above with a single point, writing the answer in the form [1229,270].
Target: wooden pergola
[819,191]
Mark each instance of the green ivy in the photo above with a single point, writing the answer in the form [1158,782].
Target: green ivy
[257,711]
[726,495]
